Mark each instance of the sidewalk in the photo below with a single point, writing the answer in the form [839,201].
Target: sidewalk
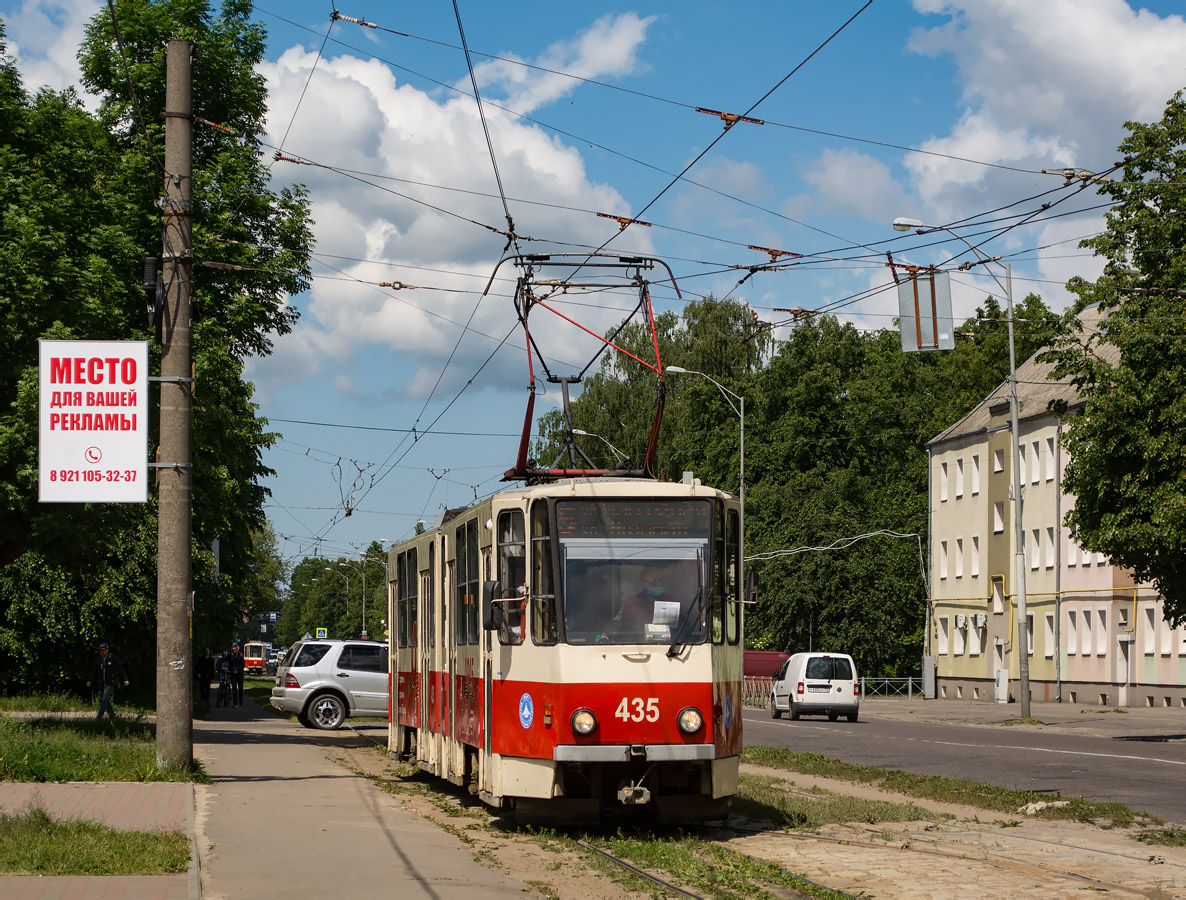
[1068,718]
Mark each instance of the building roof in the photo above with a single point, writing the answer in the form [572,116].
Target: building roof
[1035,389]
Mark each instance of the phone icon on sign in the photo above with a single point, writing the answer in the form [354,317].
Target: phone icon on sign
[93,454]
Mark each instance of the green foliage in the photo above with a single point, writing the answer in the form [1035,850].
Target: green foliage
[327,593]
[78,215]
[1128,448]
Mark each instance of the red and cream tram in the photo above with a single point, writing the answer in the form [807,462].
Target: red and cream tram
[574,647]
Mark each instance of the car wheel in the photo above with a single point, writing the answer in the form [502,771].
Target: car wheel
[852,717]
[304,719]
[774,712]
[832,717]
[794,712]
[327,712]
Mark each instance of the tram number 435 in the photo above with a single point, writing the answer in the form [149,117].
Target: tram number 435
[635,709]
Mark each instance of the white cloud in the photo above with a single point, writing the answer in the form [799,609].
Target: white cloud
[608,48]
[424,229]
[45,36]
[857,183]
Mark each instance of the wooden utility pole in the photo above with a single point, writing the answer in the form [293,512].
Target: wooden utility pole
[174,675]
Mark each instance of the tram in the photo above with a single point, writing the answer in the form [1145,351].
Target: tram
[574,648]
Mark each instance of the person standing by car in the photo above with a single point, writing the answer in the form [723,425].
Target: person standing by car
[236,665]
[204,672]
[108,672]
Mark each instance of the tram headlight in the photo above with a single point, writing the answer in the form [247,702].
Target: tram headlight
[583,722]
[690,720]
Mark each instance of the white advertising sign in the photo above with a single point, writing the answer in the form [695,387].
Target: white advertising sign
[93,422]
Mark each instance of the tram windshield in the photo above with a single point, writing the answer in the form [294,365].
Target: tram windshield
[634,571]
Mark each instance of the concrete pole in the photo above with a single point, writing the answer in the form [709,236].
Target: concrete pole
[1023,662]
[174,676]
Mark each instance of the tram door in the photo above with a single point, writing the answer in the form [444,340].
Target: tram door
[424,651]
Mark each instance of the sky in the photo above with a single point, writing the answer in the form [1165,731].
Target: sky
[395,403]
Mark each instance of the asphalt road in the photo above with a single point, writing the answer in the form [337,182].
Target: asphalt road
[1144,768]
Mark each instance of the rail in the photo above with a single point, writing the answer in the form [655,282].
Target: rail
[757,688]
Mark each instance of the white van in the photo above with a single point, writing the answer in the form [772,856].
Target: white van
[816,684]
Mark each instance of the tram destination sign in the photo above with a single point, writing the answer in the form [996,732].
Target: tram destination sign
[93,422]
[633,518]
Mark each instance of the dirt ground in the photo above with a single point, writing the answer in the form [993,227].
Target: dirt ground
[960,852]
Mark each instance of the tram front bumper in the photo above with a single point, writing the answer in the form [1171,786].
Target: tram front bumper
[627,752]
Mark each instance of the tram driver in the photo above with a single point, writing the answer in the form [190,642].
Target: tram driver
[656,609]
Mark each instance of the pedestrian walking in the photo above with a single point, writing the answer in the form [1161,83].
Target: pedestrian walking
[204,672]
[107,672]
[237,665]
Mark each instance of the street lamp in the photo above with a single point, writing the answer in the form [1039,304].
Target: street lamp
[362,562]
[345,578]
[739,409]
[1023,666]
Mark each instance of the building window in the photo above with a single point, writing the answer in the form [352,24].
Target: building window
[998,460]
[959,477]
[1021,463]
[1101,632]
[1085,635]
[959,557]
[1048,635]
[975,473]
[974,562]
[1049,546]
[998,517]
[1035,548]
[1050,473]
[1167,637]
[998,594]
[959,636]
[1029,633]
[1085,557]
[1035,468]
[942,559]
[942,482]
[1101,560]
[975,641]
[944,630]
[1072,633]
[1072,550]
[1150,630]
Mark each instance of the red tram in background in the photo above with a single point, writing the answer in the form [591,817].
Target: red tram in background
[570,648]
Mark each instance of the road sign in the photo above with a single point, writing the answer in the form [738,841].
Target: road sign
[322,634]
[271,617]
[93,422]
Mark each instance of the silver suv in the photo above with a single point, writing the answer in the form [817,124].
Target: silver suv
[325,682]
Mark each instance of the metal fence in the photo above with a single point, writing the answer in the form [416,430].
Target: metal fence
[757,688]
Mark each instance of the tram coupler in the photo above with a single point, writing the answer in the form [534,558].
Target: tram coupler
[634,795]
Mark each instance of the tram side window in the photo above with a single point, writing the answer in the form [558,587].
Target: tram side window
[732,595]
[512,573]
[430,595]
[717,596]
[474,571]
[468,576]
[543,595]
[401,600]
[413,605]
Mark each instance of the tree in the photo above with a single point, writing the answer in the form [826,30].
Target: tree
[1128,447]
[77,218]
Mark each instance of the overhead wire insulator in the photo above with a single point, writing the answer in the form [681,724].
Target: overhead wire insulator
[335,15]
[775,254]
[730,119]
[281,157]
[624,221]
[397,285]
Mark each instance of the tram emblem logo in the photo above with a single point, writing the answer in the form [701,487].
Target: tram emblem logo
[728,710]
[526,711]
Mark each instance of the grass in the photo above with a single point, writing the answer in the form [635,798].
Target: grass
[763,798]
[1023,720]
[1115,710]
[32,843]
[1170,836]
[720,872]
[945,790]
[50,749]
